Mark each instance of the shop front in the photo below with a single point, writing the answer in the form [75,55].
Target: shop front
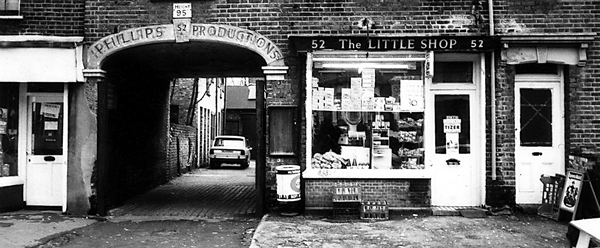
[403,118]
[34,94]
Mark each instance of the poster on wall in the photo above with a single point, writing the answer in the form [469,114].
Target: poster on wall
[411,96]
[571,191]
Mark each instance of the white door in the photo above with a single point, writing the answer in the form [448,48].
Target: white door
[46,146]
[539,138]
[453,147]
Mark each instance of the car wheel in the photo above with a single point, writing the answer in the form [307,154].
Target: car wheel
[213,165]
[245,164]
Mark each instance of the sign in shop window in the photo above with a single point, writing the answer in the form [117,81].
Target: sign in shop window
[367,116]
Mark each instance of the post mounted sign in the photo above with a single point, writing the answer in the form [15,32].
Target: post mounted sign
[182,10]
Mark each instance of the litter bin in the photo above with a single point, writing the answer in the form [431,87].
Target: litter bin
[288,183]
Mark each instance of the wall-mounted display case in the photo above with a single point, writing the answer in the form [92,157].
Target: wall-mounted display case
[367,115]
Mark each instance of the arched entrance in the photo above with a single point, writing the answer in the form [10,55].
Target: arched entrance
[132,70]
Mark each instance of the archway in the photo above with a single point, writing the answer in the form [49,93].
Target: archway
[132,69]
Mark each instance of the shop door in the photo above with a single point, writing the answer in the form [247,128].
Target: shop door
[46,160]
[453,147]
[539,139]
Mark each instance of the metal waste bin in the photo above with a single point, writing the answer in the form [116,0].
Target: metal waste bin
[288,183]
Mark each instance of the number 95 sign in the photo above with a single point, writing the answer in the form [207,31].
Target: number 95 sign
[182,10]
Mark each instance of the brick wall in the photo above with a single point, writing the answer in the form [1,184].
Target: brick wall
[398,192]
[278,19]
[182,153]
[51,17]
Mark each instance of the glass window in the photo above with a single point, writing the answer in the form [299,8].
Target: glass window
[282,137]
[536,117]
[367,115]
[9,7]
[9,121]
[452,124]
[453,72]
[537,69]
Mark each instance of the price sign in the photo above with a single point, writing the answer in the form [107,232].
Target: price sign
[182,10]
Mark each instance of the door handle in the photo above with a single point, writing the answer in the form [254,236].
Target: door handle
[49,158]
[536,153]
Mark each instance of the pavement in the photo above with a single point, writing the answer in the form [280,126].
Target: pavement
[215,208]
[52,229]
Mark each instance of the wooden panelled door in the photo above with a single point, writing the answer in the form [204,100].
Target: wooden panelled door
[539,134]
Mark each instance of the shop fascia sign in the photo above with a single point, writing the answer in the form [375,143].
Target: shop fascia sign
[420,43]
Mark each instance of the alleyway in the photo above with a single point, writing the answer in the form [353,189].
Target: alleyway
[227,192]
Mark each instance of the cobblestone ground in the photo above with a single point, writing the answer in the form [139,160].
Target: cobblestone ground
[227,192]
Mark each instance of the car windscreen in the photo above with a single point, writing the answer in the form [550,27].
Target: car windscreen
[229,142]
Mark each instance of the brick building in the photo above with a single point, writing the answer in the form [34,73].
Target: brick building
[421,103]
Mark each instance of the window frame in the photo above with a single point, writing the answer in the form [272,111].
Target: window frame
[11,13]
[292,134]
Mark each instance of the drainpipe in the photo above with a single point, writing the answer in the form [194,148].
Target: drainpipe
[493,90]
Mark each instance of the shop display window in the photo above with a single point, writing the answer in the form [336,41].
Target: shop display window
[367,115]
[9,120]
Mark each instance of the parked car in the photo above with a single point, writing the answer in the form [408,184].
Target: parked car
[231,150]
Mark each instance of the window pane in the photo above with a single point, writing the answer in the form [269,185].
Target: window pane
[452,124]
[9,121]
[536,117]
[537,69]
[453,72]
[281,125]
[47,126]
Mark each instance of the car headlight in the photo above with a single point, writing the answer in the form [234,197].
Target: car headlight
[217,151]
[236,152]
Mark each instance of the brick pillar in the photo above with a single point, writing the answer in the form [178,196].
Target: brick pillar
[274,75]
[96,76]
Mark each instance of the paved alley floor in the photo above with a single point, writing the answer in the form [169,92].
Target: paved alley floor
[227,192]
[518,230]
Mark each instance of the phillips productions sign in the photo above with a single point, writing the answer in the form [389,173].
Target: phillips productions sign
[196,32]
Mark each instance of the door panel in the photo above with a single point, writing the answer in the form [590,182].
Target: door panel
[454,148]
[45,151]
[539,139]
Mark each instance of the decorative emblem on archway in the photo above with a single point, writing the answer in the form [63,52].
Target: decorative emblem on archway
[198,32]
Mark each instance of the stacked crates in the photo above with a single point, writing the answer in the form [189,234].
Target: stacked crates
[374,210]
[346,201]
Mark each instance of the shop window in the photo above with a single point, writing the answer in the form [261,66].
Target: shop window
[9,120]
[453,72]
[282,136]
[367,114]
[9,7]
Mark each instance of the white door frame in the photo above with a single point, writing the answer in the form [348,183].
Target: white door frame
[477,100]
[25,139]
[556,85]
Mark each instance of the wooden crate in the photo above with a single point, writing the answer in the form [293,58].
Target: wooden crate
[374,210]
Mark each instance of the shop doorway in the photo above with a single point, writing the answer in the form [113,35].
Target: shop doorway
[454,130]
[539,133]
[46,150]
[454,149]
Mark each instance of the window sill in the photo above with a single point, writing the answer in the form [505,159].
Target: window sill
[17,17]
[366,174]
[10,181]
